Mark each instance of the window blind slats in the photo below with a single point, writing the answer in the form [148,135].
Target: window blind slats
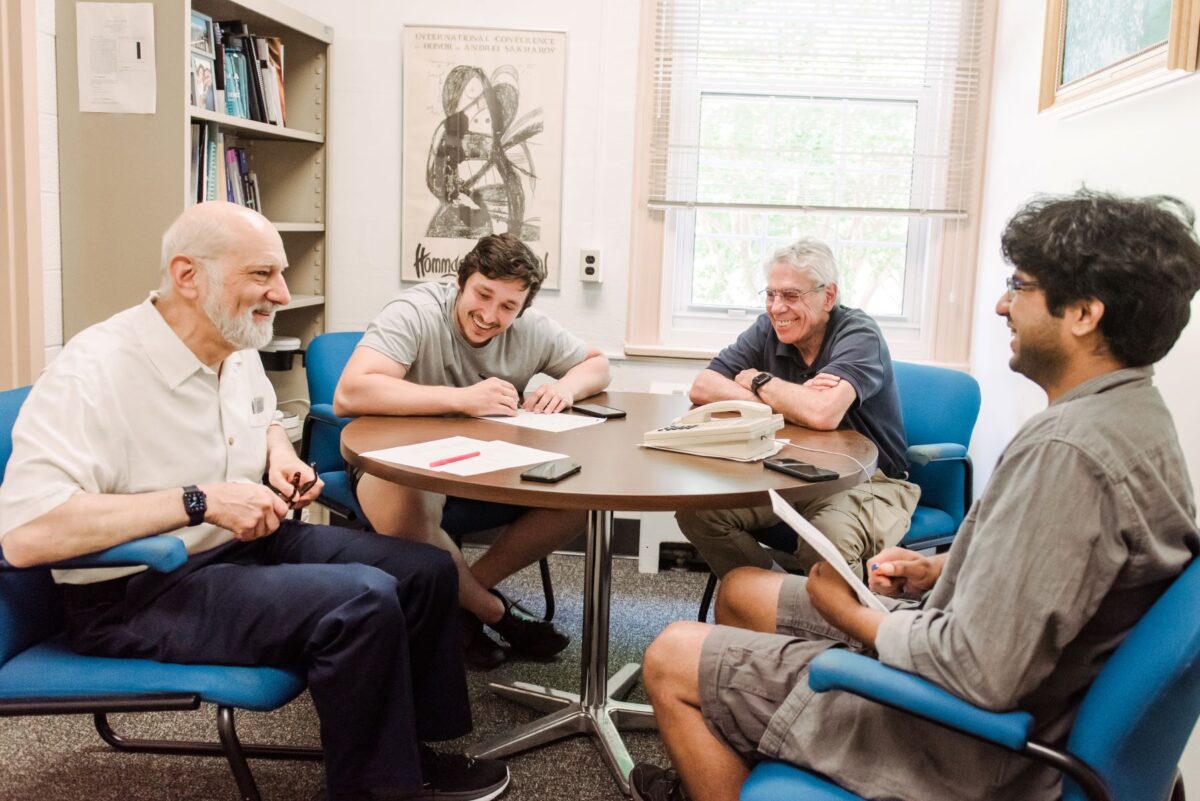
[758,102]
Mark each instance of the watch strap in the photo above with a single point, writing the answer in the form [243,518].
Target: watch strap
[759,382]
[195,503]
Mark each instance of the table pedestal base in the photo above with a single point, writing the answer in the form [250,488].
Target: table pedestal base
[599,709]
[568,716]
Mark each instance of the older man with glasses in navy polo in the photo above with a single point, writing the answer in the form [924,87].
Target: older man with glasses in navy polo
[824,366]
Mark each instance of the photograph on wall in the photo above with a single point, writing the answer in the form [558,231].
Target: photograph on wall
[482,145]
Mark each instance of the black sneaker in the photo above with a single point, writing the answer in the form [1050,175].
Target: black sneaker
[651,783]
[479,650]
[455,777]
[526,632]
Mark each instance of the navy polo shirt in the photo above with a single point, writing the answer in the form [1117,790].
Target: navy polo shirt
[853,350]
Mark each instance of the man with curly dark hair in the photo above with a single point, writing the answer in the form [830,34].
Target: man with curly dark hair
[1088,517]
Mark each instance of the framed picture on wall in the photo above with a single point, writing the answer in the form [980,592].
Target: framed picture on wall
[1096,51]
[482,145]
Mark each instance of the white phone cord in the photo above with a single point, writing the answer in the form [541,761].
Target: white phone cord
[861,466]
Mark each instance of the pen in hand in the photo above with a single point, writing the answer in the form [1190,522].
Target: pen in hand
[520,395]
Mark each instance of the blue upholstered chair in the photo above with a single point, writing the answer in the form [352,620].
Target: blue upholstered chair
[1126,741]
[939,407]
[325,359]
[41,675]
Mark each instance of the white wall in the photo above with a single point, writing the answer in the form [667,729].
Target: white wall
[1142,145]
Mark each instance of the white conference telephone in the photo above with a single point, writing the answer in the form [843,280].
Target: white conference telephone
[748,436]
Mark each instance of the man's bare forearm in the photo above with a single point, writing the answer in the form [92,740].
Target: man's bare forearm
[710,386]
[90,522]
[820,409]
[375,393]
[588,377]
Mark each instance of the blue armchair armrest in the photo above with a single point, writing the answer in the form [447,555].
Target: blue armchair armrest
[854,673]
[323,413]
[935,452]
[159,552]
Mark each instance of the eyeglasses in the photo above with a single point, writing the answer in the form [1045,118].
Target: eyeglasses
[788,296]
[1015,285]
[298,489]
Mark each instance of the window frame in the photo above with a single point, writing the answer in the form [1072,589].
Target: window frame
[953,243]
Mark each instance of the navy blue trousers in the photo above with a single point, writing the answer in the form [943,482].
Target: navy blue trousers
[373,621]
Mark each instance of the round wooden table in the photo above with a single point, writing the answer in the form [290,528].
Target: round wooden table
[617,475]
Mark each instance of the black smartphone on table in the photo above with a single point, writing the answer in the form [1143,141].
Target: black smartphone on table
[799,469]
[596,410]
[551,472]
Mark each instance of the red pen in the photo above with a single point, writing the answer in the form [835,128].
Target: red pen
[449,459]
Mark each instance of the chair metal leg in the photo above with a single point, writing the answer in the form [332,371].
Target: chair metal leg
[706,600]
[229,747]
[233,753]
[547,588]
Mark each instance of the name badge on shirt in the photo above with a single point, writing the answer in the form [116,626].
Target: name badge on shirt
[256,406]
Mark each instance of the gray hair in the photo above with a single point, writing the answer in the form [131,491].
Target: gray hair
[807,255]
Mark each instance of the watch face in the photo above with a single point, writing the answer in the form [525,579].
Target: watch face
[194,502]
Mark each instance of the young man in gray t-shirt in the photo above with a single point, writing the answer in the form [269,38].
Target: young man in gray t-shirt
[471,348]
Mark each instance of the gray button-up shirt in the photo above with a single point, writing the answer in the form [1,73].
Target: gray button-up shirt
[1086,520]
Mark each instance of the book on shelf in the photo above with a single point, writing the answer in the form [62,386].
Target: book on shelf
[275,52]
[257,64]
[194,176]
[235,83]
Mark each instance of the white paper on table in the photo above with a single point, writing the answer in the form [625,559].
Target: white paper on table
[828,551]
[115,52]
[495,455]
[545,422]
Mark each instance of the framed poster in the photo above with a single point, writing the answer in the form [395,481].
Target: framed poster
[482,145]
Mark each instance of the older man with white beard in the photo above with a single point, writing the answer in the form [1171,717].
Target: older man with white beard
[157,421]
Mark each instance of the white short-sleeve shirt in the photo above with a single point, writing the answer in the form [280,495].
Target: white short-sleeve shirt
[127,408]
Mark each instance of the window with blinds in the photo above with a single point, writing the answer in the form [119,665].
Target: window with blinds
[856,121]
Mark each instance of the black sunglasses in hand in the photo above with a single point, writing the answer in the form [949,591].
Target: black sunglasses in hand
[298,490]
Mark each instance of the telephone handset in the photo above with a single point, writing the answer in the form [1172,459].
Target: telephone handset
[745,409]
[749,435]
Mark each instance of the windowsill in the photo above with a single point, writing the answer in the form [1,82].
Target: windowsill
[634,351]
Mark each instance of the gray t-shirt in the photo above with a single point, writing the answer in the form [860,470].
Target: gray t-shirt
[418,330]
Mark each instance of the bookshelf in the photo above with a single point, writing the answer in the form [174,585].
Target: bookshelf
[125,177]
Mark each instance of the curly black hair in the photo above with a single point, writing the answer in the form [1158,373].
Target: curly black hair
[1138,256]
[503,257]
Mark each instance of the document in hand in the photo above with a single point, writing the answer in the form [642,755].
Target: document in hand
[809,533]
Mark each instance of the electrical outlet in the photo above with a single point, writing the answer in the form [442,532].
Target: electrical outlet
[589,266]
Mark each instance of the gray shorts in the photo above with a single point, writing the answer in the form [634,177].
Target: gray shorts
[747,676]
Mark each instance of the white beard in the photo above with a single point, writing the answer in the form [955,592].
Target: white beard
[240,331]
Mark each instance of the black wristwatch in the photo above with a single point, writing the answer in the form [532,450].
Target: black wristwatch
[195,503]
[759,381]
